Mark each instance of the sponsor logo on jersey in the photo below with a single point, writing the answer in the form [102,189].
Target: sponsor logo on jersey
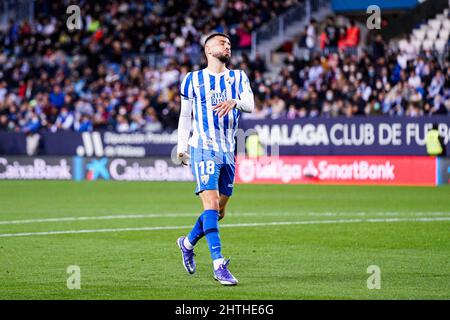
[218,97]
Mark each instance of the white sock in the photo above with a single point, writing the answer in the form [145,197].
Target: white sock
[187,244]
[217,263]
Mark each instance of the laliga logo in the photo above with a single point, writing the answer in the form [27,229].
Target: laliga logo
[272,169]
[247,170]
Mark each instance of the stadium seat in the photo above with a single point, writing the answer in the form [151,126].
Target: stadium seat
[434,24]
[439,45]
[443,34]
[432,34]
[427,44]
[402,44]
[424,27]
[446,24]
[416,44]
[440,17]
[419,34]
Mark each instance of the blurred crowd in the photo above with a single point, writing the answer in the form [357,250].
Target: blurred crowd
[329,78]
[101,77]
[339,85]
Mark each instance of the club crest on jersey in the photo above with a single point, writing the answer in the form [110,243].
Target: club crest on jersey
[204,178]
[230,80]
[218,97]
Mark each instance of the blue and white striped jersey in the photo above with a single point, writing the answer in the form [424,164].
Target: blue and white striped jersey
[207,89]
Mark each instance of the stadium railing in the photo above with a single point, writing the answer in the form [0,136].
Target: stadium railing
[15,10]
[277,26]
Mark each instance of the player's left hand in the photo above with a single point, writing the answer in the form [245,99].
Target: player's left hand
[224,107]
[183,157]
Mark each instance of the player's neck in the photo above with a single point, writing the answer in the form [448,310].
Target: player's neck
[216,67]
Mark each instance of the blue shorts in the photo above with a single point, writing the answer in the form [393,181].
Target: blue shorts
[213,170]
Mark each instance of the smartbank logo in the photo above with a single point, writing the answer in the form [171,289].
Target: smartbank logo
[358,170]
[276,169]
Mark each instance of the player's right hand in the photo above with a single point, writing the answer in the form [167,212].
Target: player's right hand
[184,158]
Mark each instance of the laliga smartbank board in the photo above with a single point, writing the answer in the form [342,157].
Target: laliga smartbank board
[352,170]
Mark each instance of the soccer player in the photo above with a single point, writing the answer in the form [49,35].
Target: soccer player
[215,96]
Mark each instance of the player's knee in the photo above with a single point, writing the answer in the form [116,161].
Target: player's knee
[212,204]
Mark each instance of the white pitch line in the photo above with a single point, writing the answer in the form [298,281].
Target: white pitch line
[261,224]
[244,214]
[111,217]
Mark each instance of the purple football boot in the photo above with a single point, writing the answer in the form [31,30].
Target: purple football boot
[224,276]
[188,256]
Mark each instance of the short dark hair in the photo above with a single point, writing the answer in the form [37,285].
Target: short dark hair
[216,34]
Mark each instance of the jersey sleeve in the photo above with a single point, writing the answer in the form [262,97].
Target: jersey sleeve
[184,125]
[186,87]
[245,101]
[244,84]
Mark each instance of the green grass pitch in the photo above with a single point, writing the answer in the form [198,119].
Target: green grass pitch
[285,242]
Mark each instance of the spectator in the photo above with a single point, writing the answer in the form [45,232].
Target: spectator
[64,121]
[310,41]
[353,35]
[436,85]
[278,107]
[438,106]
[122,125]
[409,50]
[332,35]
[32,123]
[152,122]
[57,97]
[84,125]
[245,38]
[3,122]
[414,80]
[378,47]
